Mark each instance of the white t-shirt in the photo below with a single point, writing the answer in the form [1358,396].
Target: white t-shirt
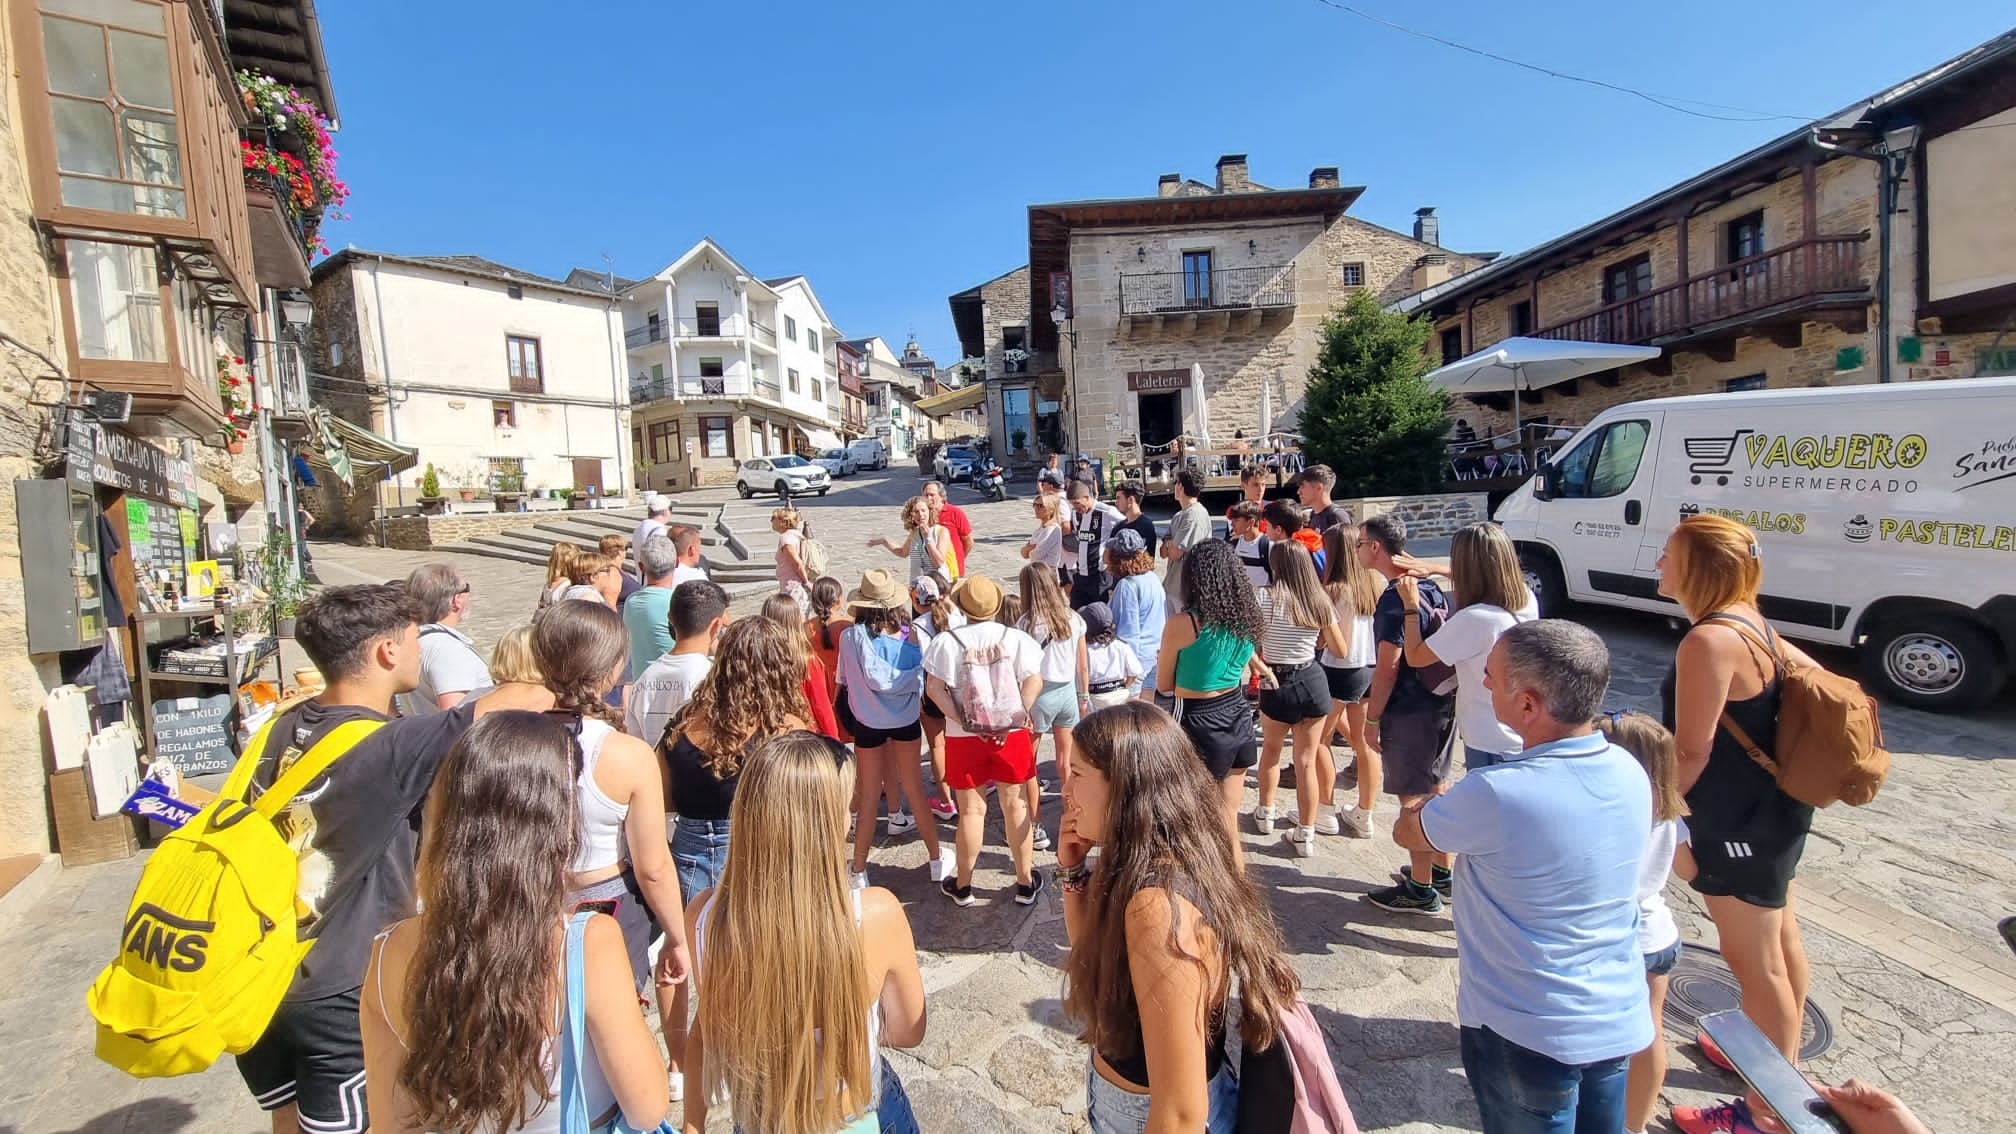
[1358,630]
[1252,555]
[687,574]
[1114,661]
[1656,928]
[660,692]
[1049,549]
[1464,641]
[1060,654]
[945,658]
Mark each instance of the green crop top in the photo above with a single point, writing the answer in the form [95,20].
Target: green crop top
[1216,660]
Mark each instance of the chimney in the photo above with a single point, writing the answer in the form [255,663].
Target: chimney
[1168,185]
[1427,229]
[1431,269]
[1323,177]
[1232,174]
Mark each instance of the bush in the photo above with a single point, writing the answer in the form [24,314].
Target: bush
[1368,415]
[430,482]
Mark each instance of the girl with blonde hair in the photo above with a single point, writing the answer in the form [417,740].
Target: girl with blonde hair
[792,577]
[511,661]
[1354,591]
[1046,617]
[802,979]
[1046,543]
[1299,617]
[1746,836]
[559,572]
[1490,598]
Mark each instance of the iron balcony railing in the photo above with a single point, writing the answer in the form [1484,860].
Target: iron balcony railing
[764,335]
[645,335]
[1149,293]
[1802,270]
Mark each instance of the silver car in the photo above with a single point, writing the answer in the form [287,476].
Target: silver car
[837,462]
[785,476]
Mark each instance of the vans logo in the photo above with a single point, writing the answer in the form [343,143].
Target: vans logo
[166,941]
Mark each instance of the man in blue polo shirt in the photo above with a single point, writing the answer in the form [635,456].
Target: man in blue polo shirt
[1551,992]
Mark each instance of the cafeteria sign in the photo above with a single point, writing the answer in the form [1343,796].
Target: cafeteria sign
[124,461]
[1149,381]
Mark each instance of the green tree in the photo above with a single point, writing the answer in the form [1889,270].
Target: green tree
[1368,415]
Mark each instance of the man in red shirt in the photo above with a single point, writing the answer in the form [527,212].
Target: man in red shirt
[954,518]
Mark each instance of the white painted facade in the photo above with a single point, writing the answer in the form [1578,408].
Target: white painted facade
[443,341]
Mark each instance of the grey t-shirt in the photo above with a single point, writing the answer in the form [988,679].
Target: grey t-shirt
[449,663]
[1187,529]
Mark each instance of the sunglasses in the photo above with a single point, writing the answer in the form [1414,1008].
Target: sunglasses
[464,590]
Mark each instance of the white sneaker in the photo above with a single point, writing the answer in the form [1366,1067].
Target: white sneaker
[1356,822]
[1263,819]
[1301,840]
[945,865]
[901,822]
[1039,838]
[1328,824]
[676,1082]
[857,879]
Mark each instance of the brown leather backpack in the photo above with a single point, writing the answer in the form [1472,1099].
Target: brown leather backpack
[1830,742]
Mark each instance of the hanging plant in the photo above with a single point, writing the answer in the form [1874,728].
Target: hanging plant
[285,110]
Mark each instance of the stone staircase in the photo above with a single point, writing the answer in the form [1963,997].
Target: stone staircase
[533,542]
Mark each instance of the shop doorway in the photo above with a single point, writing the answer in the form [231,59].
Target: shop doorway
[588,475]
[1161,417]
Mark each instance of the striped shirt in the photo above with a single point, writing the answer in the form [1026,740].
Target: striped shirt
[1285,643]
[1252,554]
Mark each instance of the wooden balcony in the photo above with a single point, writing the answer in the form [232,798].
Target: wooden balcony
[1773,292]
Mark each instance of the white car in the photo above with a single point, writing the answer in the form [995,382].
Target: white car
[954,463]
[837,462]
[785,476]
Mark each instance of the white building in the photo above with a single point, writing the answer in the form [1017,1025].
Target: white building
[891,392]
[487,370]
[725,366]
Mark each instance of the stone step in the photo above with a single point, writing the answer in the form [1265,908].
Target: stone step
[543,540]
[490,552]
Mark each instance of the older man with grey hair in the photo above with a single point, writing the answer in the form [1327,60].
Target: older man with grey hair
[1551,985]
[450,667]
[648,614]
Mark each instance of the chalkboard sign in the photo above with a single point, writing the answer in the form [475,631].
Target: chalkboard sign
[195,733]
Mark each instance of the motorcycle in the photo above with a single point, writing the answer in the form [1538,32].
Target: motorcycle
[989,481]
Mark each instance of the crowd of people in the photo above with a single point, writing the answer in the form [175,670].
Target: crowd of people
[640,797]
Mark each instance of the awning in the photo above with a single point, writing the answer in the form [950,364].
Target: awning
[963,398]
[1522,364]
[821,438]
[369,453]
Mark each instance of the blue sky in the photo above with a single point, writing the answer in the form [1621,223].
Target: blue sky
[888,149]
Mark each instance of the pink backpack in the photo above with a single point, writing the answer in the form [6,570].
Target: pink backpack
[1291,1087]
[989,694]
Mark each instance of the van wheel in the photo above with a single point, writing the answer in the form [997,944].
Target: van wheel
[1543,578]
[1939,662]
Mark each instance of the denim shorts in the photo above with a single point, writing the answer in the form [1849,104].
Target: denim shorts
[1056,707]
[1111,1110]
[1662,962]
[699,851]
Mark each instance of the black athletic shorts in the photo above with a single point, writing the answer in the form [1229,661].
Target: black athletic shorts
[867,736]
[1221,729]
[1414,750]
[1754,866]
[1302,695]
[1348,686]
[312,1055]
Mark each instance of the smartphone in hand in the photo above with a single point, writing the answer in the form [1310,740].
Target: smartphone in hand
[1771,1075]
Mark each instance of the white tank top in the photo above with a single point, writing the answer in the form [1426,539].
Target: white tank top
[601,817]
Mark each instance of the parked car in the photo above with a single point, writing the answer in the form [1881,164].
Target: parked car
[869,453]
[837,462]
[1883,516]
[793,476]
[955,463]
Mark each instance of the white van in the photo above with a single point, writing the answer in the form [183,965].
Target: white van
[1886,517]
[869,453]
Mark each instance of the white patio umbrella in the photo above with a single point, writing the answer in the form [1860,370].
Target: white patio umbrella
[1524,364]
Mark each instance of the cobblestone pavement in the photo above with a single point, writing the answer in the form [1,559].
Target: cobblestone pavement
[1898,900]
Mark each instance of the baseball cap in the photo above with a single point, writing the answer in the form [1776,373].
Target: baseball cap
[1098,616]
[924,589]
[1051,477]
[1126,543]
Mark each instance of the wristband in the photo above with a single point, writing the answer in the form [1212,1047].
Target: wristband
[1410,610]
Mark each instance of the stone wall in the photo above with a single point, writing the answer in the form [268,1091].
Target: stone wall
[423,533]
[1426,517]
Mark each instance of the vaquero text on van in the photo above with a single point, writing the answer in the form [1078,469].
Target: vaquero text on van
[1843,451]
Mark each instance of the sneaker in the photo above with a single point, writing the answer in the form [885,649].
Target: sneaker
[1406,899]
[1026,895]
[1302,841]
[944,808]
[944,866]
[1039,838]
[1712,1053]
[901,822]
[676,1084]
[1047,787]
[1357,823]
[1732,1117]
[1445,884]
[857,879]
[1328,824]
[1263,819]
[960,895]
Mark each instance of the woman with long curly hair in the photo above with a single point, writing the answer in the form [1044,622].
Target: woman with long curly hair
[462,1005]
[1205,657]
[803,979]
[581,648]
[1160,929]
[783,609]
[1138,603]
[926,545]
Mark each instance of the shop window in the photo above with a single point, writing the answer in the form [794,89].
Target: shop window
[716,440]
[664,444]
[115,301]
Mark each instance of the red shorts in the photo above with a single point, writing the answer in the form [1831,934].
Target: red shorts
[973,762]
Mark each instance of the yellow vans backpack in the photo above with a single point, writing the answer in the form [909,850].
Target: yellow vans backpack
[211,941]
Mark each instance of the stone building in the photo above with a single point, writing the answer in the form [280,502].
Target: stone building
[1196,312]
[149,387]
[993,325]
[1767,271]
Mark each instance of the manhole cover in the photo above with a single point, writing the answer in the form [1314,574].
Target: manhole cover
[1702,983]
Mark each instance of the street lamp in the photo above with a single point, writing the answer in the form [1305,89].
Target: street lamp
[1062,318]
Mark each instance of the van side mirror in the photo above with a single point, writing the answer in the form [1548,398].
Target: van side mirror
[1543,482]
